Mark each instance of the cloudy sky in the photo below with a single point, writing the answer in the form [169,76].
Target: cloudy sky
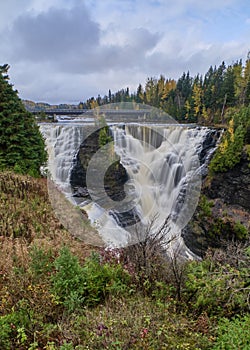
[69,50]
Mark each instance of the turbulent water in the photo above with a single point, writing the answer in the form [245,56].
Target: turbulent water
[164,164]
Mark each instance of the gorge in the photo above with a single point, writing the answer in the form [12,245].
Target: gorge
[144,173]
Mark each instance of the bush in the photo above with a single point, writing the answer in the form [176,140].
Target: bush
[215,288]
[241,231]
[67,282]
[74,285]
[147,258]
[233,334]
[229,152]
[12,328]
[40,263]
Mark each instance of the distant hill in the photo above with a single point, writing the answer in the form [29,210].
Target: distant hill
[41,106]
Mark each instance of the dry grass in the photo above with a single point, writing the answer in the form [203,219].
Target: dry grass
[27,218]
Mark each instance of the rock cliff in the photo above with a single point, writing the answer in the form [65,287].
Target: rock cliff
[223,212]
[233,186]
[115,176]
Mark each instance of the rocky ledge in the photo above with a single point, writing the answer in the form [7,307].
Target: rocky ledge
[223,212]
[233,186]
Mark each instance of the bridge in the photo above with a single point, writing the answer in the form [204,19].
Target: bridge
[91,112]
[76,111]
[115,114]
[58,111]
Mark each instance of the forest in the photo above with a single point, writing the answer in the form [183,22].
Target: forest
[201,99]
[56,292]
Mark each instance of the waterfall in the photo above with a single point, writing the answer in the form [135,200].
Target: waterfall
[164,167]
[62,141]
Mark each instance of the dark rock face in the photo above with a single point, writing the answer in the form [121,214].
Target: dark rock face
[229,196]
[114,179]
[115,176]
[209,144]
[233,187]
[213,231]
[87,149]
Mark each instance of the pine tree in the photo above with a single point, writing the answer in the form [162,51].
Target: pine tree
[246,82]
[22,146]
[197,99]
[139,94]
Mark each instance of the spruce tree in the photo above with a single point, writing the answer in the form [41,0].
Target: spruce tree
[22,147]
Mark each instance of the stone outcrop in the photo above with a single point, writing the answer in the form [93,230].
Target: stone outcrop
[226,213]
[233,186]
[87,149]
[113,183]
[115,176]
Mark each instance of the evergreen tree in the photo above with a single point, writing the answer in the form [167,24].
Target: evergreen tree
[203,99]
[208,88]
[139,94]
[183,96]
[246,82]
[197,98]
[22,146]
[150,91]
[238,82]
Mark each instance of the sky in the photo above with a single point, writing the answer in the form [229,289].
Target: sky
[66,51]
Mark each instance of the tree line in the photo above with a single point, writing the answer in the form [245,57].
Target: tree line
[203,99]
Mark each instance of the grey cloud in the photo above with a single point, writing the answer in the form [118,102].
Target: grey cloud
[10,10]
[64,52]
[130,55]
[100,58]
[70,41]
[54,34]
[142,39]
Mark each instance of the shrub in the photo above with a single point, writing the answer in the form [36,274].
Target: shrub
[240,230]
[104,136]
[67,282]
[40,263]
[205,207]
[147,258]
[217,289]
[233,334]
[12,328]
[75,285]
[229,152]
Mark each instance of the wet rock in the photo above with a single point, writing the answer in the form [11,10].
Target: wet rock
[80,192]
[113,182]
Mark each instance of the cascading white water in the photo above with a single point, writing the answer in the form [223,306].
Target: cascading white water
[162,163]
[62,141]
[159,161]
